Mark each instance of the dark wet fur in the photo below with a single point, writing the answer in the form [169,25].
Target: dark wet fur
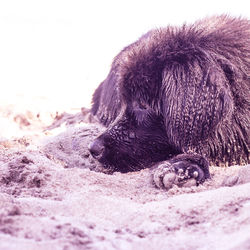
[178,90]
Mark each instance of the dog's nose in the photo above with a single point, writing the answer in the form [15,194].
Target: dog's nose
[96,148]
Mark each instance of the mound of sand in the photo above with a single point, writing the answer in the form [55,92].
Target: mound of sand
[54,195]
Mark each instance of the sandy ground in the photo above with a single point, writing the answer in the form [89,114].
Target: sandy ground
[54,195]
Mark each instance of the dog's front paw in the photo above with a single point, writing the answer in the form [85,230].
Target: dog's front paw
[182,172]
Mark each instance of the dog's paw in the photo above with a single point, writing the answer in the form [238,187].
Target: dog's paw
[180,173]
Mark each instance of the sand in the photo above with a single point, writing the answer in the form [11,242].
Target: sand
[54,195]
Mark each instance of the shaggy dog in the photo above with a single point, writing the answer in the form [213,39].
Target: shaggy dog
[179,95]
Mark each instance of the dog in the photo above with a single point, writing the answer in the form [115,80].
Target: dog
[178,98]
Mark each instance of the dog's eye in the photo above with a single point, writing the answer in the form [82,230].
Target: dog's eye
[141,112]
[140,105]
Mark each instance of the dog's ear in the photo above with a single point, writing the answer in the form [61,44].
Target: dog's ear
[196,98]
[105,102]
[238,79]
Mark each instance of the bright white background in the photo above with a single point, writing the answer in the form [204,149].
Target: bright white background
[63,49]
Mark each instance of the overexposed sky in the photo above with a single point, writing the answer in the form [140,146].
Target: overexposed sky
[63,49]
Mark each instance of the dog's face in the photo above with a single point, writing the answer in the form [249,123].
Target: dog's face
[136,138]
[134,141]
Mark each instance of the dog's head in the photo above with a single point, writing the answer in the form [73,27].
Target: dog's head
[131,109]
[160,99]
[135,140]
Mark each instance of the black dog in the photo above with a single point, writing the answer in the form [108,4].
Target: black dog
[180,95]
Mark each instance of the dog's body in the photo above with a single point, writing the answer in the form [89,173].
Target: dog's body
[181,95]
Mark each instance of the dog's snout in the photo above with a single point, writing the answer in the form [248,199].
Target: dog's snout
[96,148]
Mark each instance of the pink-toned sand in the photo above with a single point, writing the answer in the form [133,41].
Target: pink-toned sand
[53,194]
